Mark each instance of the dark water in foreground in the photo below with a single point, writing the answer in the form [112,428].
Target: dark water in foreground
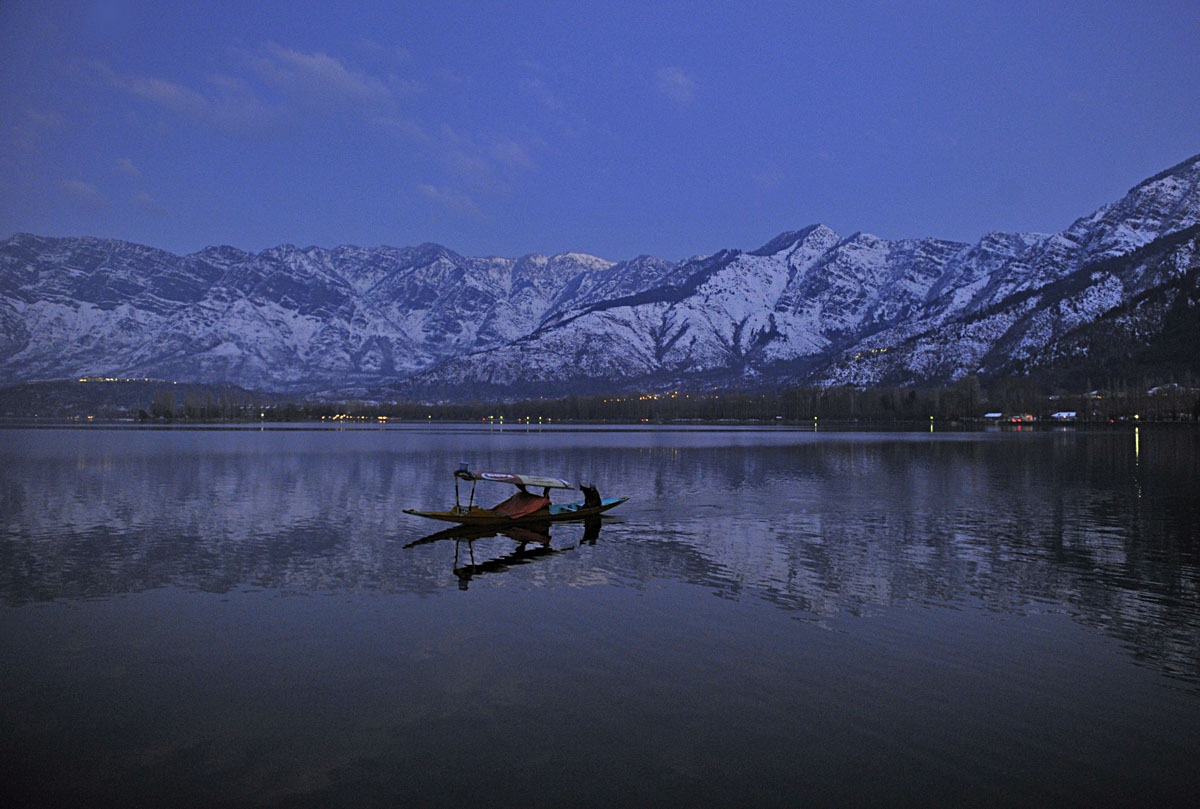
[232,617]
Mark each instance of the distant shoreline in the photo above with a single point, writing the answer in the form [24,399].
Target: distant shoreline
[1010,401]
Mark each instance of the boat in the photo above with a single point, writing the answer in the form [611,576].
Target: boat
[523,507]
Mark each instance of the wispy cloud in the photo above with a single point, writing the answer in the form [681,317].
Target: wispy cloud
[464,157]
[276,86]
[541,92]
[149,204]
[269,84]
[28,131]
[170,95]
[84,194]
[320,80]
[512,154]
[676,85]
[456,201]
[225,102]
[484,162]
[125,166]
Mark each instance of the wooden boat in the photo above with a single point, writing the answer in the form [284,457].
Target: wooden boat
[523,507]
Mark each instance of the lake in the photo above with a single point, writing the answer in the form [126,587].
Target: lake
[245,617]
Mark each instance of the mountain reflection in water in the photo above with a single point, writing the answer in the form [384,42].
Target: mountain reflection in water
[816,524]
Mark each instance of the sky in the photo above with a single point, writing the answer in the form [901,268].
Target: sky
[613,128]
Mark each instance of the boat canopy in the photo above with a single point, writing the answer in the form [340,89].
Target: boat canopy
[517,480]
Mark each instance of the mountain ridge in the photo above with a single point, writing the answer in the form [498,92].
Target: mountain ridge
[806,307]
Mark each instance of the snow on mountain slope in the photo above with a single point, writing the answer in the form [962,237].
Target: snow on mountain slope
[1018,333]
[285,318]
[807,306]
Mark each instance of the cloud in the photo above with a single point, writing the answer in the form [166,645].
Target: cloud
[227,103]
[149,203]
[170,95]
[321,74]
[390,53]
[281,89]
[456,201]
[32,127]
[464,158]
[484,162]
[676,85]
[126,167]
[542,93]
[84,194]
[512,154]
[162,93]
[270,84]
[319,80]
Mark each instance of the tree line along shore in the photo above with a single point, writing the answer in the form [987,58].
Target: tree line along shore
[1014,399]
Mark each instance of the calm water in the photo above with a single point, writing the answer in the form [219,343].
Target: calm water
[244,617]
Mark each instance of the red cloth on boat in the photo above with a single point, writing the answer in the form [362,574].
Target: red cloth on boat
[521,504]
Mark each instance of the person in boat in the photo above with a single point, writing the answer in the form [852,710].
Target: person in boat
[591,496]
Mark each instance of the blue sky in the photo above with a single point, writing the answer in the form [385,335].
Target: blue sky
[615,128]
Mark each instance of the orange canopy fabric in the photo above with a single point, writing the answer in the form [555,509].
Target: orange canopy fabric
[521,504]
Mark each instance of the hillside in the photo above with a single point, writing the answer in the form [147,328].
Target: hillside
[1115,293]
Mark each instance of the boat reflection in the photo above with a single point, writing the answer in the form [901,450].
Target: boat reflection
[533,542]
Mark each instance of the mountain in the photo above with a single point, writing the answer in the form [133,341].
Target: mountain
[284,319]
[1115,293]
[812,307]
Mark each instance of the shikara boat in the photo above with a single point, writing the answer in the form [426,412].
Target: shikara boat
[523,507]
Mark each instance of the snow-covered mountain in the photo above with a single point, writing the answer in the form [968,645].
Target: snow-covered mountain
[282,319]
[808,306]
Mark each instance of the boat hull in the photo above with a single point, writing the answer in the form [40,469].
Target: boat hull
[476,516]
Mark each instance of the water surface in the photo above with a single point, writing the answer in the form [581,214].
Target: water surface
[775,618]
